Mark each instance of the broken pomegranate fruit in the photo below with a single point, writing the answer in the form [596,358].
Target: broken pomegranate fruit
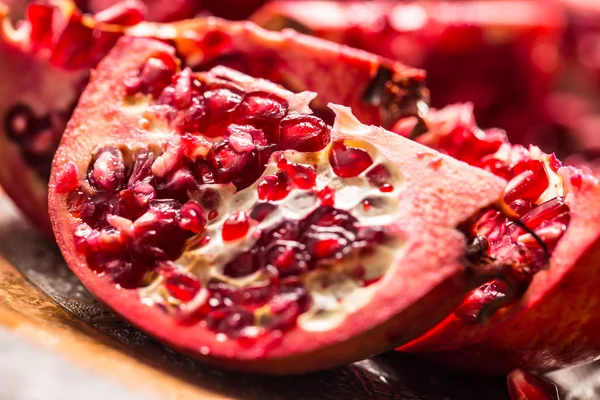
[468,48]
[178,208]
[540,317]
[53,50]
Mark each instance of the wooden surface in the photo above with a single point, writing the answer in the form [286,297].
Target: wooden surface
[42,302]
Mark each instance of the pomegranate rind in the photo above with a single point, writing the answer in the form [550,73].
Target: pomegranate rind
[304,63]
[429,273]
[552,325]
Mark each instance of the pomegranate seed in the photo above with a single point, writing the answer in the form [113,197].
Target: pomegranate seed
[554,162]
[379,175]
[192,217]
[327,196]
[41,17]
[288,257]
[305,133]
[183,89]
[221,104]
[243,265]
[302,176]
[327,247]
[240,139]
[108,170]
[386,188]
[68,178]
[230,321]
[544,212]
[471,307]
[213,214]
[263,107]
[239,168]
[347,161]
[193,118]
[521,207]
[236,226]
[274,187]
[154,76]
[529,184]
[182,287]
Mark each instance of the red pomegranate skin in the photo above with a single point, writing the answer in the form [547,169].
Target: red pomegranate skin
[469,49]
[429,273]
[552,324]
[55,70]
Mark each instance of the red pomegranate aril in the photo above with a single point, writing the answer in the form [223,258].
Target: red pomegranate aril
[386,188]
[379,176]
[274,187]
[214,42]
[529,184]
[327,247]
[348,161]
[470,309]
[243,265]
[544,212]
[288,257]
[192,217]
[193,118]
[220,105]
[108,170]
[183,89]
[213,214]
[521,207]
[236,226]
[263,107]
[229,165]
[305,133]
[523,385]
[301,175]
[327,196]
[230,321]
[182,287]
[154,76]
[68,178]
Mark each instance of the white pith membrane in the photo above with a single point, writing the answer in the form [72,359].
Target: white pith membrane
[335,289]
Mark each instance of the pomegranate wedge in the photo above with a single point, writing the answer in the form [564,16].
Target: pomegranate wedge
[45,64]
[543,317]
[216,213]
[470,49]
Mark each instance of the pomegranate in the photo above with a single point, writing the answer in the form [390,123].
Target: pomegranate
[468,48]
[176,204]
[53,50]
[523,385]
[542,317]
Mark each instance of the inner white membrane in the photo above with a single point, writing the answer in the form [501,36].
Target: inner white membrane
[335,288]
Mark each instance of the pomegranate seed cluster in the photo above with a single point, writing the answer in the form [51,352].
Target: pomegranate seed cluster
[246,220]
[532,216]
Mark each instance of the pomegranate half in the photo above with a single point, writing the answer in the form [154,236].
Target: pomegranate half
[216,213]
[52,51]
[544,317]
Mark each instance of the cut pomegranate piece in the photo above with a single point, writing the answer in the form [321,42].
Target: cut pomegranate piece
[269,282]
[546,233]
[468,48]
[52,51]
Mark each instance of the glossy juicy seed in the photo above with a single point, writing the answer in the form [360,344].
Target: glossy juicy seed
[304,133]
[192,217]
[274,187]
[236,226]
[221,103]
[348,161]
[182,287]
[487,294]
[230,165]
[108,170]
[263,107]
[302,176]
[379,176]
[68,178]
[154,76]
[230,321]
[529,184]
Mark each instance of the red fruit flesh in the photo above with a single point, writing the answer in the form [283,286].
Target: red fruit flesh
[545,322]
[52,52]
[268,282]
[468,48]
